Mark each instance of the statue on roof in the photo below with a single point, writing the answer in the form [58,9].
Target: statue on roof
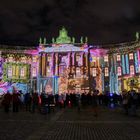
[44,41]
[73,39]
[86,39]
[137,36]
[63,37]
[53,40]
[40,40]
[81,40]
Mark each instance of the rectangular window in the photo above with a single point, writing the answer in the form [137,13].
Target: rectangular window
[49,58]
[119,71]
[118,57]
[93,59]
[34,72]
[9,72]
[106,72]
[94,72]
[106,58]
[131,56]
[34,59]
[132,70]
[10,59]
[78,72]
[22,72]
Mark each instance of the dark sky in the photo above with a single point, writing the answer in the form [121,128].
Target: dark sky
[103,21]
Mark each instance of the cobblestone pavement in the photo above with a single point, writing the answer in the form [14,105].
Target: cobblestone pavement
[69,124]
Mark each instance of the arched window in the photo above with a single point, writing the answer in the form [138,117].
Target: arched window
[119,71]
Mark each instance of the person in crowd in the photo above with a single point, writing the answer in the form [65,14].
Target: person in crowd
[27,100]
[64,99]
[16,101]
[68,100]
[133,102]
[35,101]
[60,100]
[51,103]
[45,103]
[125,99]
[21,97]
[6,102]
[95,103]
[78,100]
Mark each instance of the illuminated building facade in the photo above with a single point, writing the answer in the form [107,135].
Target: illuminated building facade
[67,66]
[18,68]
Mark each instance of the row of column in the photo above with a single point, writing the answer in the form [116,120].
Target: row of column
[54,62]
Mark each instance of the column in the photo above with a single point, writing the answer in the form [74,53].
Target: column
[56,64]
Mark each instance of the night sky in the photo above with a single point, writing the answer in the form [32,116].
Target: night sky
[103,21]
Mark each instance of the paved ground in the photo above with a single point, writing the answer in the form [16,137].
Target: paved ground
[69,124]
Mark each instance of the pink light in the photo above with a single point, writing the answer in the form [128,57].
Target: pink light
[138,52]
[33,52]
[98,52]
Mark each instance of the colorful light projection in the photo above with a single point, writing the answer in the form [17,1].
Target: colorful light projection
[18,87]
[61,48]
[98,52]
[17,72]
[0,66]
[138,54]
[3,87]
[48,85]
[32,52]
[62,84]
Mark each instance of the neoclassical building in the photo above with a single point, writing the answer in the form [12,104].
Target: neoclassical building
[67,66]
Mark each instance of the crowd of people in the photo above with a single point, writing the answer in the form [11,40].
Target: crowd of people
[46,102]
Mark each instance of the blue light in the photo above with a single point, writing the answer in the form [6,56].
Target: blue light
[127,63]
[123,64]
[111,94]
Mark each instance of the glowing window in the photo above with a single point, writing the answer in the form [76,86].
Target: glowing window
[119,71]
[94,72]
[34,59]
[10,59]
[34,72]
[118,57]
[131,69]
[94,59]
[23,59]
[78,57]
[49,71]
[106,72]
[9,71]
[106,58]
[22,72]
[49,58]
[78,72]
[131,56]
